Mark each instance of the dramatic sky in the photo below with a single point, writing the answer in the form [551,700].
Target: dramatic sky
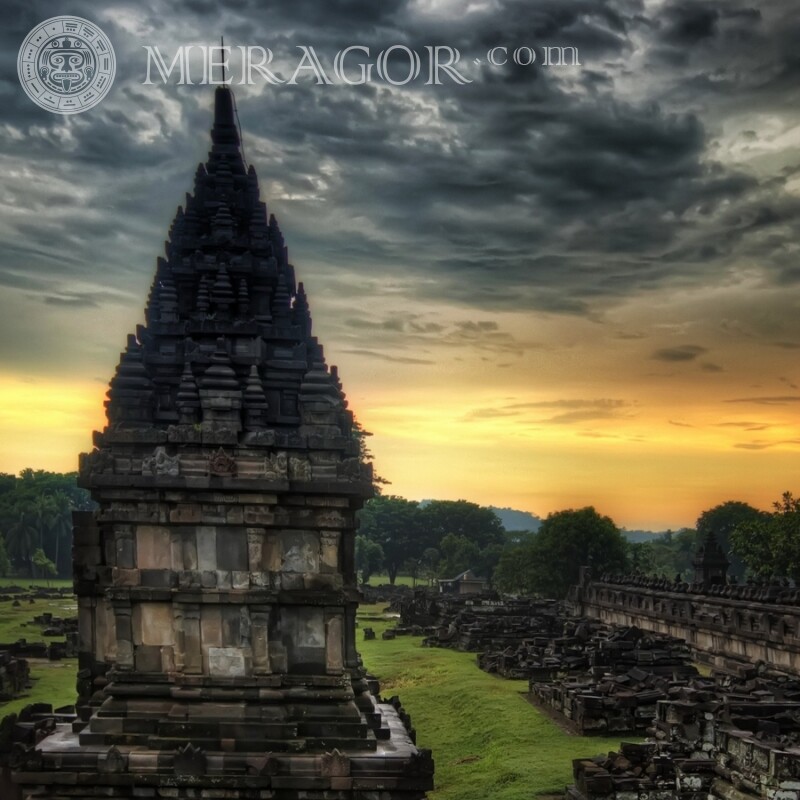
[548,288]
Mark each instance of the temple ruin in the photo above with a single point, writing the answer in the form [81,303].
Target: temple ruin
[216,583]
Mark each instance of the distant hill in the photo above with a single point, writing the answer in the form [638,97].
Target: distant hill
[637,537]
[514,520]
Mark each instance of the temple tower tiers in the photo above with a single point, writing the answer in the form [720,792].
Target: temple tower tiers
[216,583]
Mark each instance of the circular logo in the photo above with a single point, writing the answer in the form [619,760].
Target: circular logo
[66,65]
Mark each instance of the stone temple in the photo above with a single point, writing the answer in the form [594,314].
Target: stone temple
[216,583]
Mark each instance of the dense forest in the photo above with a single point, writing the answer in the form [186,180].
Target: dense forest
[439,539]
[36,522]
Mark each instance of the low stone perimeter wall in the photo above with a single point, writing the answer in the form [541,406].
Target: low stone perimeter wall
[716,628]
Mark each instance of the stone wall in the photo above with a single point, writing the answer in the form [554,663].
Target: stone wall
[764,626]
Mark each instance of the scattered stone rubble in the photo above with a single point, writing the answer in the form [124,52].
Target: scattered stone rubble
[15,675]
[485,622]
[386,593]
[627,672]
[597,678]
[722,738]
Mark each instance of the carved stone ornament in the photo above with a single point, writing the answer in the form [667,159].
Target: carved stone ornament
[161,464]
[98,462]
[221,464]
[276,466]
[299,469]
[189,760]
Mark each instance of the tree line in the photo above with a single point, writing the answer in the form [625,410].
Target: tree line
[440,539]
[36,522]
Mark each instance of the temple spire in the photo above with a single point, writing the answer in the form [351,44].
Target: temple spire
[224,131]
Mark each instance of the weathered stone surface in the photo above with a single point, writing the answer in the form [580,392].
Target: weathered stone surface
[221,553]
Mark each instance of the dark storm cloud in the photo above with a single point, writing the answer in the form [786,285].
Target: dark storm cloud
[387,357]
[761,445]
[687,352]
[781,400]
[83,299]
[532,189]
[417,332]
[571,410]
[748,426]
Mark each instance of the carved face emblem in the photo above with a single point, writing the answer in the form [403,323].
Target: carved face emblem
[66,65]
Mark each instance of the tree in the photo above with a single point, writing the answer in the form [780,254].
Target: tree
[5,563]
[642,557]
[722,521]
[458,555]
[369,557]
[22,538]
[395,524]
[517,568]
[365,455]
[477,524]
[429,564]
[488,559]
[60,532]
[36,511]
[44,564]
[770,544]
[567,541]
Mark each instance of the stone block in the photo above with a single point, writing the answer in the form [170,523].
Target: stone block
[189,559]
[125,547]
[153,624]
[278,656]
[158,578]
[329,551]
[232,549]
[211,626]
[208,579]
[189,513]
[272,553]
[167,659]
[300,551]
[226,662]
[231,628]
[334,644]
[302,632]
[258,515]
[147,658]
[125,577]
[207,547]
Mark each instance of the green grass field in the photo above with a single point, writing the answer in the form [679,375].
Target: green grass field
[53,583]
[487,740]
[54,680]
[400,580]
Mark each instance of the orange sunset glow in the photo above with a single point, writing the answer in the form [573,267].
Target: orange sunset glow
[543,289]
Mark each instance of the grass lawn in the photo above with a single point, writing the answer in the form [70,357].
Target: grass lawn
[55,680]
[400,580]
[487,740]
[53,583]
